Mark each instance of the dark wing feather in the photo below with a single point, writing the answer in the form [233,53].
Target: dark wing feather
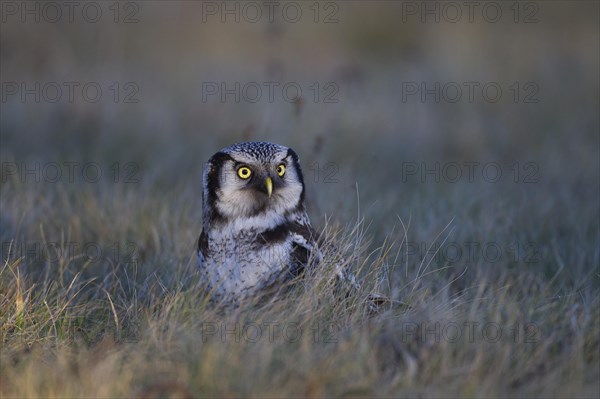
[202,248]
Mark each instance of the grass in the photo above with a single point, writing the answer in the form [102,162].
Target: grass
[141,325]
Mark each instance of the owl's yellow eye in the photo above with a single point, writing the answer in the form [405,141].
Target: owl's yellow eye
[244,172]
[281,170]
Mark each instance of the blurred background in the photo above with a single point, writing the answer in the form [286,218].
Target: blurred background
[430,111]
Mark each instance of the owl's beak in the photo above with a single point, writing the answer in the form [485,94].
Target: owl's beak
[269,186]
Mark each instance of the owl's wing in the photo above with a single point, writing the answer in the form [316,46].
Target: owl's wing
[304,243]
[202,248]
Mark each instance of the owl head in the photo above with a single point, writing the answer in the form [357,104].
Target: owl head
[249,179]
